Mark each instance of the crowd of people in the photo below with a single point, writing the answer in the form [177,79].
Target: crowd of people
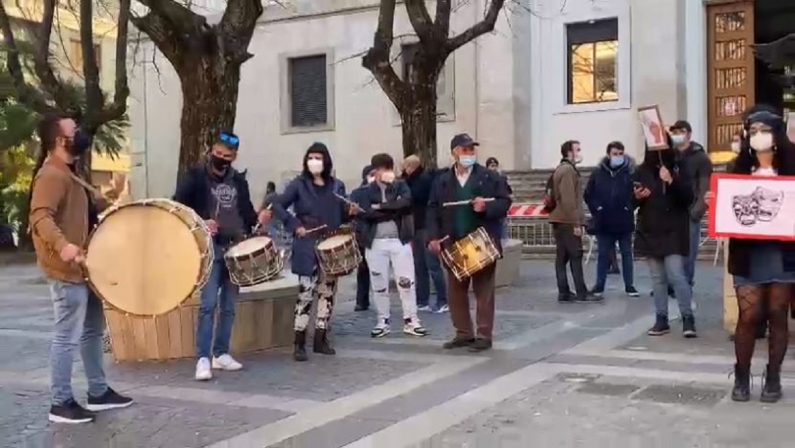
[402,221]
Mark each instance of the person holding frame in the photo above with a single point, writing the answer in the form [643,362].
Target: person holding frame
[763,270]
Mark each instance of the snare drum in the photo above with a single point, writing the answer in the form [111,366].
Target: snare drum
[471,254]
[253,261]
[147,257]
[338,254]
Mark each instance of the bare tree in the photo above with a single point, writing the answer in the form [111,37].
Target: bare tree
[207,59]
[415,95]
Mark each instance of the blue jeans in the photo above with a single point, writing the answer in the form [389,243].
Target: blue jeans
[78,319]
[426,263]
[606,242]
[670,271]
[222,293]
[695,240]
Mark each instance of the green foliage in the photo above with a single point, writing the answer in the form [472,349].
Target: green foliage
[16,171]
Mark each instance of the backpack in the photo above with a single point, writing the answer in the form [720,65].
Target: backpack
[549,194]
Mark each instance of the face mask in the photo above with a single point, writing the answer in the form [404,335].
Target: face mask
[577,158]
[467,161]
[315,166]
[677,139]
[388,177]
[79,144]
[219,163]
[762,141]
[736,147]
[370,179]
[616,161]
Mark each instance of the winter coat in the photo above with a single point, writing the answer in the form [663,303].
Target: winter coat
[396,208]
[697,165]
[567,188]
[420,183]
[610,199]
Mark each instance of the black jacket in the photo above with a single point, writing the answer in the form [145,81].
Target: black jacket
[487,184]
[194,191]
[664,217]
[420,183]
[698,167]
[740,250]
[610,199]
[397,208]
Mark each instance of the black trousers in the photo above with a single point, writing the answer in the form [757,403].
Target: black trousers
[363,282]
[569,251]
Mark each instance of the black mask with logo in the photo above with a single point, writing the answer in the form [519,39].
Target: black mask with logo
[219,163]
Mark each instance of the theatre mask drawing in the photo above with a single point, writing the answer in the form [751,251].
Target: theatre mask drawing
[751,207]
[761,205]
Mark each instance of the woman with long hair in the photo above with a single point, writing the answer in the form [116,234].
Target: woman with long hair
[313,196]
[764,271]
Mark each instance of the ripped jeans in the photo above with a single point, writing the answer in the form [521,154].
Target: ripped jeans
[386,251]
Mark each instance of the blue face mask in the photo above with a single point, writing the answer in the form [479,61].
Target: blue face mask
[616,161]
[467,161]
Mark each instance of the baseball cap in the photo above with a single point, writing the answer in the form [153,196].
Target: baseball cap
[463,140]
[682,125]
[229,140]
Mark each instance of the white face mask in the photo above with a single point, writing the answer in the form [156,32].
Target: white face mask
[315,166]
[370,179]
[762,141]
[577,158]
[388,177]
[736,147]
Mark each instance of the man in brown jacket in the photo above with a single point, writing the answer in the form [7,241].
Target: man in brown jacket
[568,220]
[59,222]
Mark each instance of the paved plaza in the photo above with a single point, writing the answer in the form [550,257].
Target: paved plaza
[560,376]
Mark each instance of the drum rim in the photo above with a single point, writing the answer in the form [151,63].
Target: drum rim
[256,253]
[153,202]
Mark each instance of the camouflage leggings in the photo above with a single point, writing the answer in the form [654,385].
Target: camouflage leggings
[317,287]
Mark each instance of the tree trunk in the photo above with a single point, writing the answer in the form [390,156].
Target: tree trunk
[418,121]
[209,106]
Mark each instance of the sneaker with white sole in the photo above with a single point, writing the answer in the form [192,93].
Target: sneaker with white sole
[226,362]
[414,328]
[70,412]
[381,329]
[203,371]
[424,308]
[443,309]
[109,400]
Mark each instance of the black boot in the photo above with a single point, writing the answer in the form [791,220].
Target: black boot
[660,327]
[321,343]
[742,384]
[771,391]
[299,352]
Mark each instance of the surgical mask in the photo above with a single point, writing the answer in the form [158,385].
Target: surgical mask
[577,158]
[762,141]
[388,177]
[370,179]
[678,139]
[314,166]
[736,147]
[219,163]
[467,161]
[616,161]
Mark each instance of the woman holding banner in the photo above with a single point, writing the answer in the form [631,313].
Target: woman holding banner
[764,271]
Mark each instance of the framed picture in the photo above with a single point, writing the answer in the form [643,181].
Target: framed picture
[653,128]
[791,126]
[751,207]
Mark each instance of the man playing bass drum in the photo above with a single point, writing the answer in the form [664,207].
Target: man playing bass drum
[468,181]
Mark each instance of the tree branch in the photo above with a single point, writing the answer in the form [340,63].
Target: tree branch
[41,60]
[163,36]
[121,89]
[95,100]
[484,26]
[25,93]
[420,19]
[180,18]
[377,58]
[443,18]
[236,28]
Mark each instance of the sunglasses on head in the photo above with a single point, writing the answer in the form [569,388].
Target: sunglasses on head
[231,140]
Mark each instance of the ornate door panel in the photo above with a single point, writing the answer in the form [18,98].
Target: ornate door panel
[731,69]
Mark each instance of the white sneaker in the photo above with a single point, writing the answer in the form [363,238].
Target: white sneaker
[424,309]
[226,362]
[203,372]
[381,329]
[414,327]
[443,309]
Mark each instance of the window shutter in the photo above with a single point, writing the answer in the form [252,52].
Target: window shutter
[308,91]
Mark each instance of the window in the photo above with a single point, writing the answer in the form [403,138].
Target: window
[592,61]
[445,94]
[76,55]
[308,91]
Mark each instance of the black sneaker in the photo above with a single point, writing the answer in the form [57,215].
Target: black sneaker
[596,292]
[589,298]
[70,412]
[632,292]
[689,327]
[480,345]
[457,342]
[660,327]
[109,400]
[361,308]
[566,298]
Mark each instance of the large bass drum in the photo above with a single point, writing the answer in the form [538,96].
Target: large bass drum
[147,257]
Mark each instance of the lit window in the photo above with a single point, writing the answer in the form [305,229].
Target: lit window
[592,61]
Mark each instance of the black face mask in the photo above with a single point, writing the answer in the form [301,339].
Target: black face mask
[79,144]
[219,163]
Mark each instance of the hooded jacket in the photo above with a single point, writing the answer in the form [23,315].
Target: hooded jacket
[697,166]
[610,198]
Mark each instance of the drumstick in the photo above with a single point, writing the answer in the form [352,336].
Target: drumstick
[256,227]
[315,229]
[467,202]
[348,201]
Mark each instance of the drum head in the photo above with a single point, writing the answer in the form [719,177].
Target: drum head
[333,241]
[144,260]
[248,246]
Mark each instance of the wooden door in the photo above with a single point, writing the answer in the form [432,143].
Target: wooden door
[731,69]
